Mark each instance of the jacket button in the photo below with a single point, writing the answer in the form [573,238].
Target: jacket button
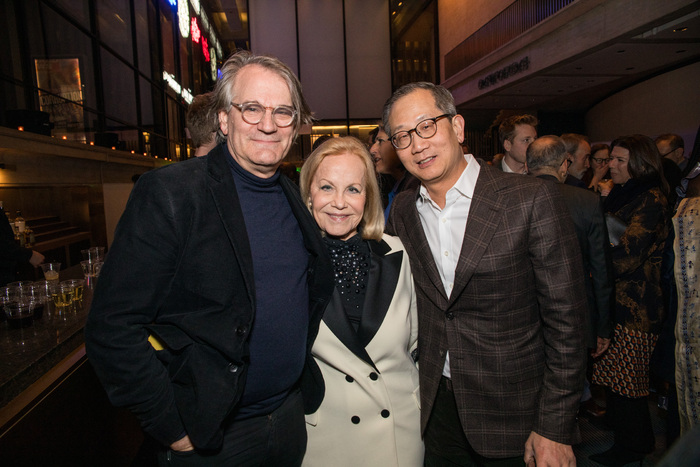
[355,419]
[449,315]
[349,378]
[232,368]
[240,330]
[373,376]
[385,413]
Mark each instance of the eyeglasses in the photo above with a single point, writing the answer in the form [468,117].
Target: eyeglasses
[669,152]
[425,129]
[601,160]
[253,113]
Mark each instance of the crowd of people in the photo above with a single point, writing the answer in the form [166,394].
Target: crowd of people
[460,319]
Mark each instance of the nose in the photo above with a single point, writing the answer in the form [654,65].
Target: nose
[338,200]
[267,124]
[418,144]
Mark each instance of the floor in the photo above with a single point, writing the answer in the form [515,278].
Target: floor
[595,439]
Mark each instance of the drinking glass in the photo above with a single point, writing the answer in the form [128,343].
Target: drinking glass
[94,254]
[20,314]
[51,271]
[78,287]
[62,295]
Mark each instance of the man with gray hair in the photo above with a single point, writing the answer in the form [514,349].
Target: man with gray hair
[548,159]
[499,293]
[204,315]
[579,151]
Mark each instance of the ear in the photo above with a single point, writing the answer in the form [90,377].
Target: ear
[223,122]
[458,127]
[507,145]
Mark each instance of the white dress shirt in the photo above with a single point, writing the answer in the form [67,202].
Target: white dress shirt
[444,228]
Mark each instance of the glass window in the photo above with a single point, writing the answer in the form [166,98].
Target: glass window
[11,64]
[185,76]
[114,23]
[119,89]
[77,9]
[166,27]
[144,13]
[146,103]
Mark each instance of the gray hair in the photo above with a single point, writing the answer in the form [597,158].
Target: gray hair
[546,151]
[223,91]
[443,100]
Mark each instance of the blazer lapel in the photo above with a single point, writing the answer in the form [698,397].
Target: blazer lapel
[419,248]
[484,217]
[338,322]
[381,285]
[223,191]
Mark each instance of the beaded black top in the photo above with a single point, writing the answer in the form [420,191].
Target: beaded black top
[351,260]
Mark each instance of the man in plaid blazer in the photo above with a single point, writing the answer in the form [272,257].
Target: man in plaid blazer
[501,302]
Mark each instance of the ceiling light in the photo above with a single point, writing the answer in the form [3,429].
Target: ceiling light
[683,29]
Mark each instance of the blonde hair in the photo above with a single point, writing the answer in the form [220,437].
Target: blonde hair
[372,224]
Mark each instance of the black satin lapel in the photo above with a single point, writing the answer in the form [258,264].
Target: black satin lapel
[338,322]
[381,285]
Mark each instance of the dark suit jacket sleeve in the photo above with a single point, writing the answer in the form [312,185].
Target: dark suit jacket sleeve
[135,277]
[562,302]
[600,264]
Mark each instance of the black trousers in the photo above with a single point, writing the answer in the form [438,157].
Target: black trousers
[631,422]
[274,440]
[446,444]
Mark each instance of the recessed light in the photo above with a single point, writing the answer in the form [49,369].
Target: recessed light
[683,29]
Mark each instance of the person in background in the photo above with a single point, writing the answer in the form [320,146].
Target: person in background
[202,124]
[515,134]
[11,253]
[386,162]
[501,302]
[548,159]
[638,200]
[203,318]
[598,173]
[579,151]
[367,409]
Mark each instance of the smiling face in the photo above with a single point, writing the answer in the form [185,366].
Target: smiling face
[338,195]
[619,165]
[438,161]
[259,148]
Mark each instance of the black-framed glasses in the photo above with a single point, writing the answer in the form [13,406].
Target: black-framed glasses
[601,160]
[253,113]
[425,129]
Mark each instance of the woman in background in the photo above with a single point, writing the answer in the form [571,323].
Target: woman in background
[638,199]
[366,409]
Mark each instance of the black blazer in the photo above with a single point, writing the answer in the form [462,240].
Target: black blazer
[180,269]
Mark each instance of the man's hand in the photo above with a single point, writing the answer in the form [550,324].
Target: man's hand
[182,444]
[602,345]
[544,452]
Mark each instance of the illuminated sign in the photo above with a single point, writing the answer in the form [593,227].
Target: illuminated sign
[175,86]
[183,15]
[205,48]
[196,6]
[196,34]
[214,71]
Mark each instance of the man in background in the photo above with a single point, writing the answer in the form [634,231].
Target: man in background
[202,124]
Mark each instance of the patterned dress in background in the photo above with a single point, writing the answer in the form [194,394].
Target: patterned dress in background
[687,248]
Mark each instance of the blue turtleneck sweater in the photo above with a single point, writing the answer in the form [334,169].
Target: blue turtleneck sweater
[280,261]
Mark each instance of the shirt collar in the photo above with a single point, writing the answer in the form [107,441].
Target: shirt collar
[465,183]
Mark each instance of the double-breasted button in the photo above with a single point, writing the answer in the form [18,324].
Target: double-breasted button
[232,368]
[240,330]
[355,419]
[385,413]
[449,315]
[373,376]
[349,378]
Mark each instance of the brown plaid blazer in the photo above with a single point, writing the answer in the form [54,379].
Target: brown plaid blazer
[515,322]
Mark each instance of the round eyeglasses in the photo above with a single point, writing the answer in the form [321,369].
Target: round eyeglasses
[425,129]
[253,113]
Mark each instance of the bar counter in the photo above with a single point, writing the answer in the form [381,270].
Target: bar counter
[35,357]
